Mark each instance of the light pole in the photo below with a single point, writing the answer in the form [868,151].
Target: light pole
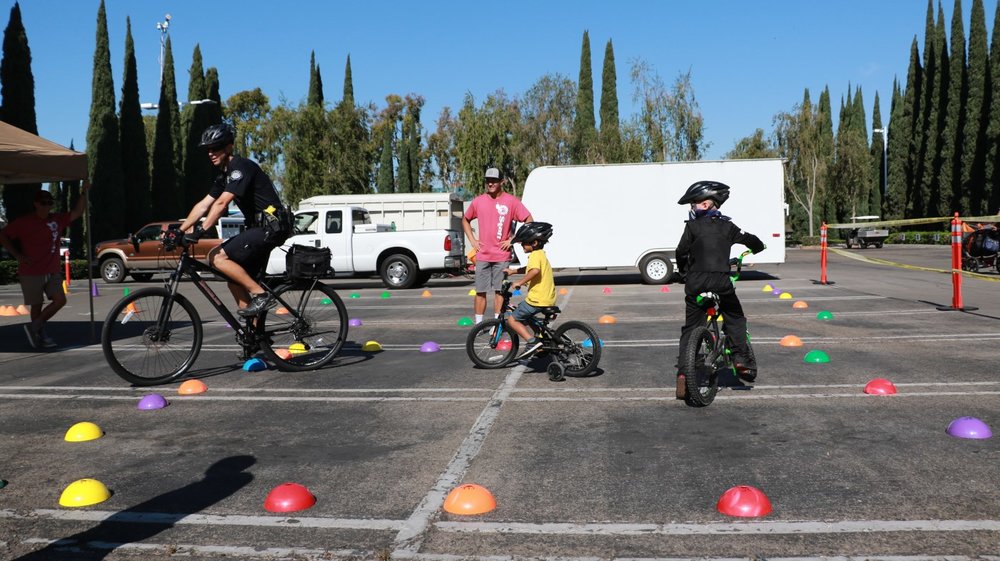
[884,131]
[163,27]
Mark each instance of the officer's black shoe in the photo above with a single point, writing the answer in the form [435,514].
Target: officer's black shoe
[258,303]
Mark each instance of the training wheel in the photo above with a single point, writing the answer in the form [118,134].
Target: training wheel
[557,372]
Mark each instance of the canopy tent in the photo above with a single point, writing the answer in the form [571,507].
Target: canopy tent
[27,158]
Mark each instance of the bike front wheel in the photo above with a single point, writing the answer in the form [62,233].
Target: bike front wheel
[151,337]
[491,344]
[579,348]
[307,329]
[698,365]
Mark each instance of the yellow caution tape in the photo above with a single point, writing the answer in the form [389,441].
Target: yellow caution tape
[915,221]
[877,261]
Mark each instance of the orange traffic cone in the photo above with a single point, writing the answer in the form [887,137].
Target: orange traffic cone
[23,310]
[131,309]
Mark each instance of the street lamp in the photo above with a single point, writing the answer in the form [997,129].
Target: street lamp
[163,27]
[885,157]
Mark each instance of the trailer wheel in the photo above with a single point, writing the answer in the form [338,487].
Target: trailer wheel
[398,271]
[655,268]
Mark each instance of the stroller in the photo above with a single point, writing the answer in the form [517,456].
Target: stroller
[980,250]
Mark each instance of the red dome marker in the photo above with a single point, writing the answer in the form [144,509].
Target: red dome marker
[880,386]
[744,501]
[289,497]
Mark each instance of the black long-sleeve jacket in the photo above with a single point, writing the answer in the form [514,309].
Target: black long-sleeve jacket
[707,242]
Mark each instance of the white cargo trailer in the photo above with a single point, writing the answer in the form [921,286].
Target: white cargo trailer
[626,215]
[407,211]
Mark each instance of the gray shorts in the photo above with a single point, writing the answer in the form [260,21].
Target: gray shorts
[489,275]
[34,287]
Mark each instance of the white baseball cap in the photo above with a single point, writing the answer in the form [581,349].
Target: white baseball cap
[492,173]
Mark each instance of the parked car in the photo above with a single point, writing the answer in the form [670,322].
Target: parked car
[142,255]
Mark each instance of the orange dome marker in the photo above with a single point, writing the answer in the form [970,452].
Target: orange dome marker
[283,354]
[8,311]
[23,310]
[563,292]
[281,311]
[192,387]
[664,288]
[607,319]
[790,341]
[425,294]
[469,499]
[800,305]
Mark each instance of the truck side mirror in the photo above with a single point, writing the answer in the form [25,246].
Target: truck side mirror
[135,242]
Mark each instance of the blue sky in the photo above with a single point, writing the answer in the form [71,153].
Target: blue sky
[748,59]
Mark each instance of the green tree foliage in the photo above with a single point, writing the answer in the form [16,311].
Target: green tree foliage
[168,198]
[933,109]
[547,114]
[315,98]
[991,193]
[306,154]
[978,96]
[906,163]
[827,209]
[70,194]
[441,152]
[249,112]
[197,115]
[894,200]
[135,155]
[757,145]
[800,142]
[18,107]
[670,119]
[486,137]
[104,154]
[610,137]
[876,182]
[351,156]
[851,172]
[386,182]
[951,197]
[584,142]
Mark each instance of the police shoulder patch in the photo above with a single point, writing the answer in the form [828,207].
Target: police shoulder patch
[235,175]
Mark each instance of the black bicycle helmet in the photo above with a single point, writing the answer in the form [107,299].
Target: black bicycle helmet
[532,231]
[217,135]
[705,190]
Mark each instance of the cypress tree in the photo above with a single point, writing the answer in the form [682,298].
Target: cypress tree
[973,145]
[18,108]
[414,152]
[924,131]
[350,157]
[584,136]
[104,151]
[135,155]
[349,84]
[894,202]
[214,110]
[910,138]
[991,192]
[70,195]
[951,198]
[404,177]
[315,98]
[610,137]
[166,194]
[878,161]
[860,131]
[198,170]
[825,208]
[386,182]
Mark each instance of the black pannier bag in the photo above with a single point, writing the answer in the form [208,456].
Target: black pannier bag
[303,261]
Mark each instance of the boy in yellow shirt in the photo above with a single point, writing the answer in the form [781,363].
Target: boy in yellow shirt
[538,276]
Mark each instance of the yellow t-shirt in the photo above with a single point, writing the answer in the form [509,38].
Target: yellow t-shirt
[542,291]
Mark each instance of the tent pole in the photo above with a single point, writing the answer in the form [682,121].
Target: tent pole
[90,264]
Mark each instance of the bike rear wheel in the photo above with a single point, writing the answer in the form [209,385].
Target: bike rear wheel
[145,351]
[579,348]
[698,365]
[307,329]
[491,344]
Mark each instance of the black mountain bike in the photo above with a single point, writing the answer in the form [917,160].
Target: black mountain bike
[153,335]
[708,350]
[574,346]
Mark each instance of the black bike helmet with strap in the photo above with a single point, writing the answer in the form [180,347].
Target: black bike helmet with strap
[532,231]
[705,190]
[216,136]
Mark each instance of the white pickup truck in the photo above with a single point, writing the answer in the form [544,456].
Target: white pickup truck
[360,248]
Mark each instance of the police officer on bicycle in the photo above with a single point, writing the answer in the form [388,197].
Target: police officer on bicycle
[268,223]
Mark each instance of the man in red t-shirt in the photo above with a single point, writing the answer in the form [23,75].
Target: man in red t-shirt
[38,235]
[495,211]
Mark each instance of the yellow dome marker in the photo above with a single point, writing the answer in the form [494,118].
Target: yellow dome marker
[82,432]
[84,492]
[297,348]
[372,347]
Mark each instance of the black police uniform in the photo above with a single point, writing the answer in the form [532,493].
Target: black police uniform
[703,254]
[253,192]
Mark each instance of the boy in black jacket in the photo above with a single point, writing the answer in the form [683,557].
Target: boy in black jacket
[703,254]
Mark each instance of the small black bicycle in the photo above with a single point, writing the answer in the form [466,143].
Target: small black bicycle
[574,346]
[708,350]
[153,335]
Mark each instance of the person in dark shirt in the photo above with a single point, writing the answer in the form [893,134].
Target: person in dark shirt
[703,256]
[243,256]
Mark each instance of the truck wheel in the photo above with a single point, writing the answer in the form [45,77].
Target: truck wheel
[399,271]
[863,244]
[655,268]
[113,270]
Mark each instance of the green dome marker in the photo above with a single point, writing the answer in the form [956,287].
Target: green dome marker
[464,322]
[824,315]
[326,301]
[355,295]
[385,294]
[816,357]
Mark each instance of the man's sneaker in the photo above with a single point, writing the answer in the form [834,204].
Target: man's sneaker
[46,341]
[33,338]
[530,346]
[746,371]
[258,304]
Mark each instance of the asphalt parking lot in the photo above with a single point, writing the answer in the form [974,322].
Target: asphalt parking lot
[609,466]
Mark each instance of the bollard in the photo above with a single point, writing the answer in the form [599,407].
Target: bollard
[822,255]
[67,268]
[956,268]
